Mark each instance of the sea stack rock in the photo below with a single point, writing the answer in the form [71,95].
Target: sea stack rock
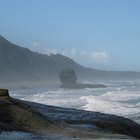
[4,93]
[68,79]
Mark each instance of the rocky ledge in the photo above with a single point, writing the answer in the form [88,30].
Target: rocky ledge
[82,86]
[68,79]
[17,115]
[4,93]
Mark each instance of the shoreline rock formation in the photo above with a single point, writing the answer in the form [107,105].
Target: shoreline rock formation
[82,86]
[4,93]
[68,79]
[18,115]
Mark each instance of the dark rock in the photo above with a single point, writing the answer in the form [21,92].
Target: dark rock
[82,86]
[95,120]
[68,79]
[17,116]
[91,86]
[4,93]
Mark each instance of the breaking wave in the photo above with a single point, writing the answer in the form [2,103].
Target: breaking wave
[120,99]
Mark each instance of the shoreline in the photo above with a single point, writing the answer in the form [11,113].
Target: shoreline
[59,122]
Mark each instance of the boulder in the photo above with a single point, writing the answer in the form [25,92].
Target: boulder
[4,93]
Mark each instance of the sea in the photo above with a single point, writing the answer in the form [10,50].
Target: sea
[121,97]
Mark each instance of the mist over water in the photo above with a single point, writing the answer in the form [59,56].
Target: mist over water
[119,98]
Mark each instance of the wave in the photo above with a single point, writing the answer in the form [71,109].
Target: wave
[138,104]
[61,98]
[117,100]
[121,95]
[95,103]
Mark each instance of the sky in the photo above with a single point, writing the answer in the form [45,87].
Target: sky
[101,34]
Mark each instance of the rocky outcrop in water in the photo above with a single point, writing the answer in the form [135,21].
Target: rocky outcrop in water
[68,79]
[82,86]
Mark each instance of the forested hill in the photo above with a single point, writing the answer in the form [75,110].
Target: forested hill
[21,64]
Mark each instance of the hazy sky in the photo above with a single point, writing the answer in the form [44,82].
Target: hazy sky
[102,34]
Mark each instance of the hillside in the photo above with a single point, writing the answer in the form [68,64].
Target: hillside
[18,63]
[21,64]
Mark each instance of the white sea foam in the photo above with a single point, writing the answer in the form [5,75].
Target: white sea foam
[118,98]
[62,98]
[112,107]
[138,104]
[122,95]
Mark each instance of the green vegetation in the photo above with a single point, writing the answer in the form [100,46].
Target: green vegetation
[17,115]
[4,92]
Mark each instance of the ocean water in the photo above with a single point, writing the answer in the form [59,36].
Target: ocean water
[121,97]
